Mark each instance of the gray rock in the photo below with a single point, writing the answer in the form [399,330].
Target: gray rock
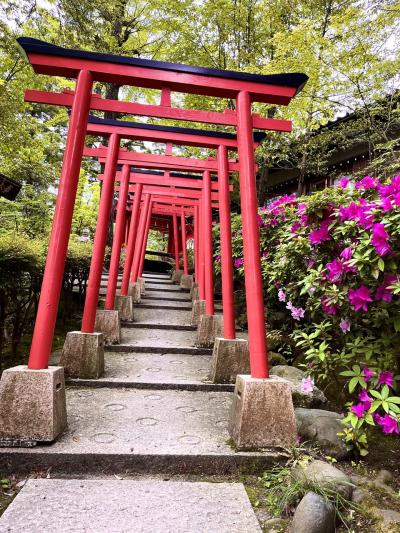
[276,359]
[313,515]
[300,399]
[389,516]
[275,525]
[322,428]
[324,474]
[384,476]
[359,495]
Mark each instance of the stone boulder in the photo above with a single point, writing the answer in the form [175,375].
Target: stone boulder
[294,376]
[313,515]
[321,428]
[324,474]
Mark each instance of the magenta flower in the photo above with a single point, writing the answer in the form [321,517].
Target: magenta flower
[343,183]
[386,204]
[320,235]
[359,409]
[281,296]
[345,325]
[329,308]
[217,258]
[365,399]
[387,423]
[367,183]
[347,253]
[297,313]
[296,226]
[259,220]
[238,262]
[382,291]
[386,378]
[380,239]
[335,269]
[368,374]
[359,298]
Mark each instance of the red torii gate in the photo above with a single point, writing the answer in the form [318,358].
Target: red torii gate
[88,67]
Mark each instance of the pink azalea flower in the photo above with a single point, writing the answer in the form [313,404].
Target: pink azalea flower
[328,308]
[380,239]
[281,296]
[347,253]
[386,378]
[259,220]
[307,385]
[343,183]
[367,183]
[387,423]
[368,374]
[238,262]
[296,226]
[359,298]
[386,204]
[335,269]
[359,409]
[320,235]
[365,399]
[382,291]
[345,325]
[297,312]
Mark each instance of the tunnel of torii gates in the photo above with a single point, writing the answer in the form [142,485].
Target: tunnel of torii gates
[32,398]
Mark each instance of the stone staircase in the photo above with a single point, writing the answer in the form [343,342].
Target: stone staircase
[153,413]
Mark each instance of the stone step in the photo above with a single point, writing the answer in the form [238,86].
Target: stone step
[155,371]
[152,325]
[164,305]
[172,288]
[143,348]
[180,298]
[114,430]
[170,293]
[156,338]
[167,317]
[143,506]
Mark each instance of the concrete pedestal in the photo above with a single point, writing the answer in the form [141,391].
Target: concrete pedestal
[32,405]
[186,281]
[194,291]
[230,358]
[83,355]
[210,327]
[262,413]
[176,276]
[107,322]
[134,292]
[142,285]
[124,304]
[198,309]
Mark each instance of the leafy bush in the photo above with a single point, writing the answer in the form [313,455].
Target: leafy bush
[330,264]
[22,261]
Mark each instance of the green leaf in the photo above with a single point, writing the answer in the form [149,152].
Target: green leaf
[393,399]
[381,264]
[353,384]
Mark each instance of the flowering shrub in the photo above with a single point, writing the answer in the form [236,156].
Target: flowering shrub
[330,264]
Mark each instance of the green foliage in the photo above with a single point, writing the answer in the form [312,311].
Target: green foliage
[22,261]
[283,492]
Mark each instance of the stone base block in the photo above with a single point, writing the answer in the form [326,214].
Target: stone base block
[142,285]
[32,405]
[124,304]
[198,309]
[194,291]
[83,355]
[134,292]
[262,414]
[186,281]
[210,327]
[176,276]
[230,358]
[107,322]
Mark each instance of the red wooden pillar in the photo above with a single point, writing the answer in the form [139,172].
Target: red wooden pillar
[140,238]
[176,241]
[228,304]
[130,250]
[202,292]
[100,238]
[146,237]
[118,239]
[60,232]
[196,243]
[184,248]
[208,247]
[251,240]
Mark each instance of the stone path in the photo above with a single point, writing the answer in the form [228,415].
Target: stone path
[154,412]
